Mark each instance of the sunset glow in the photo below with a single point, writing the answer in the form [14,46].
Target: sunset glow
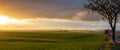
[8,20]
[49,15]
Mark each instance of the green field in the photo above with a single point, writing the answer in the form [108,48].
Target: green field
[50,40]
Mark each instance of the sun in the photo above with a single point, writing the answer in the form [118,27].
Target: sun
[8,20]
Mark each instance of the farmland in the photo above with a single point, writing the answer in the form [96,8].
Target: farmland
[50,40]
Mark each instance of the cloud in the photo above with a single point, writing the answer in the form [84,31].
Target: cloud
[87,16]
[79,15]
[60,9]
[63,9]
[57,24]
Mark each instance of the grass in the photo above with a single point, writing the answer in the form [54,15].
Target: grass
[50,40]
[115,47]
[112,46]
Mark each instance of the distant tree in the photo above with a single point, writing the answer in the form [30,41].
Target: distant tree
[109,9]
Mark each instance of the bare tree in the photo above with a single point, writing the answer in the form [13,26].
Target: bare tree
[109,9]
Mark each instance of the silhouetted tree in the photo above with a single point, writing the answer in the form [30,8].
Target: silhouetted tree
[109,9]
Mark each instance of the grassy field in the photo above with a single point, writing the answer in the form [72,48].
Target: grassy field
[50,40]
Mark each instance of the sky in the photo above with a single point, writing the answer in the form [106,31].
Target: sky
[49,14]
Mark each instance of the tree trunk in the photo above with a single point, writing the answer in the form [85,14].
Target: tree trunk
[114,30]
[114,35]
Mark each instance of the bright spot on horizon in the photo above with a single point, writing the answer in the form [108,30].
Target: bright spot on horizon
[7,20]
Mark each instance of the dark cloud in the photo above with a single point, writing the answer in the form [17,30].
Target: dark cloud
[41,8]
[64,9]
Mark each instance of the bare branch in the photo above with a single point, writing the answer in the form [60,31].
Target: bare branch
[109,9]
